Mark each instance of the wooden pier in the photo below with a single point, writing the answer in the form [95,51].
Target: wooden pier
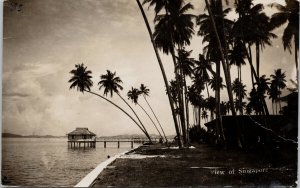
[118,141]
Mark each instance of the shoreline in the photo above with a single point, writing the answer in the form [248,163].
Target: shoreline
[90,178]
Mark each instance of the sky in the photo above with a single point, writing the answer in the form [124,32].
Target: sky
[44,41]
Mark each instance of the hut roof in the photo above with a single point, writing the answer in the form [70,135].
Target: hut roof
[81,131]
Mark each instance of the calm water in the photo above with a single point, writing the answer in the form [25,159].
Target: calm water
[45,162]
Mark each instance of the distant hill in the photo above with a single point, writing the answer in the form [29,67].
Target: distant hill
[10,135]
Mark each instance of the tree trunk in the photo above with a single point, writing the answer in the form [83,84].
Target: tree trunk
[224,63]
[156,118]
[257,57]
[163,73]
[144,131]
[132,111]
[151,121]
[250,60]
[207,89]
[296,55]
[180,96]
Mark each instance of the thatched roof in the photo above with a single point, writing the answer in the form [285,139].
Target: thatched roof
[81,131]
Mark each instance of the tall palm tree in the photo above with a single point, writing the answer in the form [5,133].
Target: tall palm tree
[278,81]
[288,13]
[202,67]
[144,91]
[171,102]
[253,27]
[239,89]
[175,28]
[274,93]
[81,79]
[111,84]
[186,64]
[133,95]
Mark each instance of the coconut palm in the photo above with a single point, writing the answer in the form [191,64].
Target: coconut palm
[171,102]
[239,89]
[204,115]
[111,84]
[133,95]
[202,67]
[255,103]
[288,14]
[274,93]
[175,29]
[81,79]
[213,83]
[278,81]
[211,106]
[253,27]
[144,91]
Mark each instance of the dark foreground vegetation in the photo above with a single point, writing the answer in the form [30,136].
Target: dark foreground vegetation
[201,166]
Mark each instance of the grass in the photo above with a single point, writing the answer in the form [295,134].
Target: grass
[188,167]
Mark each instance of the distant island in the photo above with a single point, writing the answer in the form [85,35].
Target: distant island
[11,135]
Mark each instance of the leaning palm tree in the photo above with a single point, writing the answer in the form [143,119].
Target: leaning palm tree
[144,91]
[81,80]
[288,13]
[133,95]
[111,84]
[171,102]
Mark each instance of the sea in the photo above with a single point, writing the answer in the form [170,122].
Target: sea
[49,162]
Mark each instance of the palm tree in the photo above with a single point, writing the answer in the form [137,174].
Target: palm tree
[253,27]
[204,115]
[175,28]
[111,84]
[274,93]
[144,91]
[254,102]
[163,72]
[211,106]
[288,13]
[239,89]
[202,67]
[81,79]
[213,83]
[279,82]
[133,95]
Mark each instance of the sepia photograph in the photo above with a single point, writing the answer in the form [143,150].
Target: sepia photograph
[150,93]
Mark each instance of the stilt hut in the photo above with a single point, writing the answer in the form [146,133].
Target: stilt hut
[81,137]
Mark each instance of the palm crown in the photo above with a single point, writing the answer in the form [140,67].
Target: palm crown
[133,94]
[81,78]
[110,82]
[144,90]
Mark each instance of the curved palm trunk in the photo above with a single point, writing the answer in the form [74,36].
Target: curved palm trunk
[163,73]
[151,121]
[156,118]
[144,131]
[133,112]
